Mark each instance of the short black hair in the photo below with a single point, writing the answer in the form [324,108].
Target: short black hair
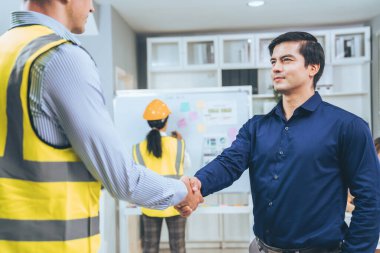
[310,49]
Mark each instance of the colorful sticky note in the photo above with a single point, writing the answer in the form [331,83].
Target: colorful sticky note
[200,104]
[193,116]
[201,128]
[182,123]
[232,132]
[185,107]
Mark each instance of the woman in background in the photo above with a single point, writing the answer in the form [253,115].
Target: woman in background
[164,155]
[377,146]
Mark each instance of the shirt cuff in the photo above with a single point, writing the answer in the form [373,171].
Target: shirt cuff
[180,192]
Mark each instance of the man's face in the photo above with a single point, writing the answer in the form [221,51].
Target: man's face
[289,73]
[77,12]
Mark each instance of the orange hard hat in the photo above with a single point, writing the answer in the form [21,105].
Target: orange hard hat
[156,110]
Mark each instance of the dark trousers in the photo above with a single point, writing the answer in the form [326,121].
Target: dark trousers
[152,233]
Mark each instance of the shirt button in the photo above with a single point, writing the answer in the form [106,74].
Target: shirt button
[270,203]
[267,231]
[286,128]
[281,152]
[275,177]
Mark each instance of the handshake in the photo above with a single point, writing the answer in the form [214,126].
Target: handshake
[193,198]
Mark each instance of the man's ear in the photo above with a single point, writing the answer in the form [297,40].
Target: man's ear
[313,69]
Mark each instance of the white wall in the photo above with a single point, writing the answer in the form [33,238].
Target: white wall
[100,48]
[124,45]
[375,25]
[5,13]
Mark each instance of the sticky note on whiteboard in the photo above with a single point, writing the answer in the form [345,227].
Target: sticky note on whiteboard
[200,104]
[232,132]
[193,116]
[185,107]
[201,128]
[181,123]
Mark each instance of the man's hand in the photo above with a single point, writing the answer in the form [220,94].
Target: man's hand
[195,184]
[177,135]
[193,198]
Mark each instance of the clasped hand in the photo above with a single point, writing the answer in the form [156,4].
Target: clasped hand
[193,198]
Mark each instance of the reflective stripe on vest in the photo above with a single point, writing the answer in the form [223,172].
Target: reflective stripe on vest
[49,201]
[16,230]
[172,156]
[140,159]
[180,149]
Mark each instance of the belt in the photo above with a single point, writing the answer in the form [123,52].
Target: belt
[268,249]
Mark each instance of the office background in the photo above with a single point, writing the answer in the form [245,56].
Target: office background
[119,43]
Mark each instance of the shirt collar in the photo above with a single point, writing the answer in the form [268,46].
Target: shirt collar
[24,18]
[310,105]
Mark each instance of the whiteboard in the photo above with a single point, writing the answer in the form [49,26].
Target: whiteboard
[208,119]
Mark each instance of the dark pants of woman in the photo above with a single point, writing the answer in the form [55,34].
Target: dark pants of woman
[152,233]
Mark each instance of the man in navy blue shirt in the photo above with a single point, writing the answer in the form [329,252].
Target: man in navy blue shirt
[303,157]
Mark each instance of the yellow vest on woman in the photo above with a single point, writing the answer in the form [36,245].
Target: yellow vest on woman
[48,199]
[169,165]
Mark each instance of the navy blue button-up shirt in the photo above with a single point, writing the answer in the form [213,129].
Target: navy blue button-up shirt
[300,170]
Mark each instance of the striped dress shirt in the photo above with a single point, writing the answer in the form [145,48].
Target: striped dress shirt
[68,109]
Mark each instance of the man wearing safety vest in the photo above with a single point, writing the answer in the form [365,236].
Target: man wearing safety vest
[164,155]
[58,144]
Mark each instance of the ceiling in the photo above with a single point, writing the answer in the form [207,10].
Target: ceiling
[173,16]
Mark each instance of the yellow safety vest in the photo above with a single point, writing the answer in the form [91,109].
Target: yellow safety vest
[169,165]
[48,199]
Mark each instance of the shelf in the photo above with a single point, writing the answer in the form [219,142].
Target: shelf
[187,69]
[164,53]
[335,94]
[343,94]
[263,96]
[236,66]
[200,210]
[236,51]
[200,51]
[350,61]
